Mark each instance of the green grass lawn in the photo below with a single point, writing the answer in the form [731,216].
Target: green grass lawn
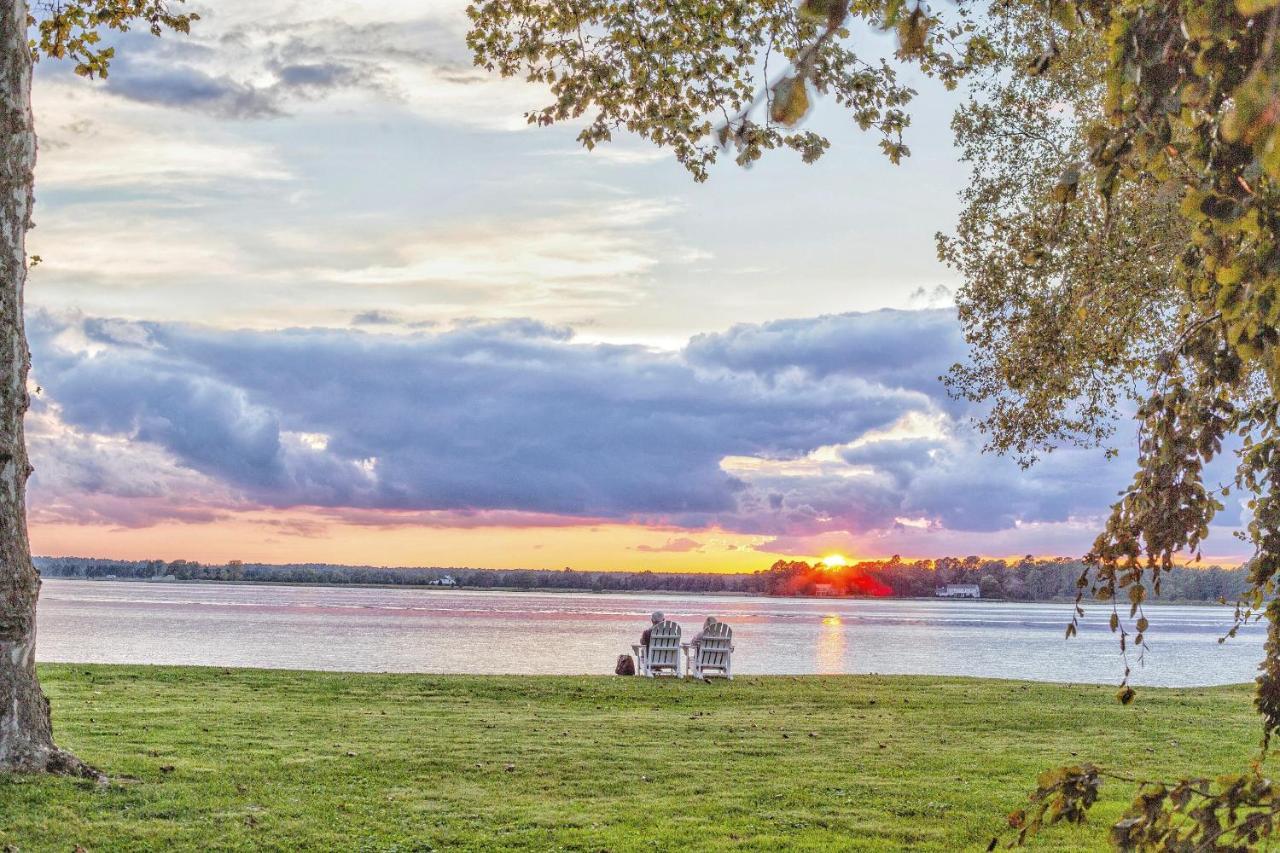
[215,759]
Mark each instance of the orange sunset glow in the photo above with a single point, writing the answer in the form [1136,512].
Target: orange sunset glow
[311,536]
[304,535]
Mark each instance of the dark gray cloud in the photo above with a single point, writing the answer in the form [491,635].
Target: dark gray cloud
[375,318]
[317,78]
[516,417]
[190,88]
[185,73]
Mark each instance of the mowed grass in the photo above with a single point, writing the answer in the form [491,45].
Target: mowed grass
[223,759]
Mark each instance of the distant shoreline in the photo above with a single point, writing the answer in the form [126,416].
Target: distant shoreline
[664,593]
[1046,580]
[558,591]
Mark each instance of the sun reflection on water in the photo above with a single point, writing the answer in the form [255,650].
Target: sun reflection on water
[830,645]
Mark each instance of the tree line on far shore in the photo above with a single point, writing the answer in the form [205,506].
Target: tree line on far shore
[1029,579]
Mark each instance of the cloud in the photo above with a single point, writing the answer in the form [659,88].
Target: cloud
[83,478]
[800,430]
[192,88]
[938,296]
[510,415]
[289,163]
[268,60]
[150,77]
[674,545]
[375,318]
[259,71]
[907,349]
[89,143]
[574,254]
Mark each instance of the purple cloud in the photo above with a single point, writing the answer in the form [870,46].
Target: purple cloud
[516,419]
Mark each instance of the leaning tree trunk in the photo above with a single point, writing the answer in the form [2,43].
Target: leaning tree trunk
[26,735]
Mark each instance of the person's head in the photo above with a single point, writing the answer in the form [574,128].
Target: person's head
[656,617]
[711,620]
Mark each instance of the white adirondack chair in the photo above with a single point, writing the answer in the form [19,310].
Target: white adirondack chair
[662,655]
[714,655]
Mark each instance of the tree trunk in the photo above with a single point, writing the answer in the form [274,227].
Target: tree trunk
[26,734]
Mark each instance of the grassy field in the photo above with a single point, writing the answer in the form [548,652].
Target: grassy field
[217,759]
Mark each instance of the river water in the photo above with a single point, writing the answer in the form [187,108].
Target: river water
[454,631]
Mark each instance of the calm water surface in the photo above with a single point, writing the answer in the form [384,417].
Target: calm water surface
[419,630]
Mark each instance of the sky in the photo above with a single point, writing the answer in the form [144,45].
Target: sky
[311,290]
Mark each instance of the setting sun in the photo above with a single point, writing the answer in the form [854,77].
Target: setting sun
[834,561]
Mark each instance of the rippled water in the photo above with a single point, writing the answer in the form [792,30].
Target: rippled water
[420,630]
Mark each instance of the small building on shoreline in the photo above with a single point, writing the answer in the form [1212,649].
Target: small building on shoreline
[958,590]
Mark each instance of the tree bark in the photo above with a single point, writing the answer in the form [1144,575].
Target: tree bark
[26,733]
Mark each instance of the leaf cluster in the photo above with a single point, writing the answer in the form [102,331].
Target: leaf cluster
[1233,813]
[699,76]
[73,30]
[1061,794]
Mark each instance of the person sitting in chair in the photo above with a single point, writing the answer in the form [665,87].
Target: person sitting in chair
[655,618]
[696,642]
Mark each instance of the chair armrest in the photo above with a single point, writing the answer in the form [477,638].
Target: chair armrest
[635,649]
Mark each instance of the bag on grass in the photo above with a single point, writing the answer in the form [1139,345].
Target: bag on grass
[626,666]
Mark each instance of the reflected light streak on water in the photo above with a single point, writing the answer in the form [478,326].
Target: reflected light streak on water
[830,650]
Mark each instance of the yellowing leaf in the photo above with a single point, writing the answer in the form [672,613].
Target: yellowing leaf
[790,101]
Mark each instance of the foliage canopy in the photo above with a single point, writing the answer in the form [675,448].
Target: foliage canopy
[1121,242]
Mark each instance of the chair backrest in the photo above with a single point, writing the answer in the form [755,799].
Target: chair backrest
[716,646]
[664,646]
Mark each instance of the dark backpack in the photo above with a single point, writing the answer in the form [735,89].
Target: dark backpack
[626,666]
